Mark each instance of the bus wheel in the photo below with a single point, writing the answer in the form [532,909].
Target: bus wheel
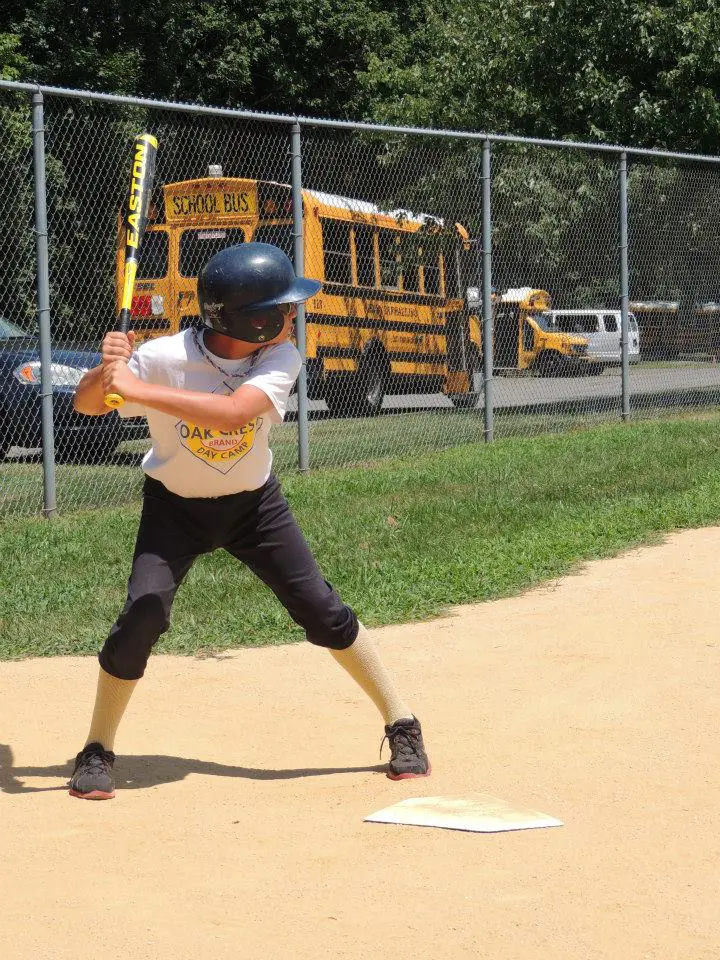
[358,394]
[549,364]
[372,378]
[336,393]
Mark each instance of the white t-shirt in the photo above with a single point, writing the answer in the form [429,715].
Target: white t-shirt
[194,461]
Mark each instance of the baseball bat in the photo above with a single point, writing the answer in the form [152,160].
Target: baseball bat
[134,223]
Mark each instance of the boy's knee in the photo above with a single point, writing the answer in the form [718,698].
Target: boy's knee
[336,630]
[138,628]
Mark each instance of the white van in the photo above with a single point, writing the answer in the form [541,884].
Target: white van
[602,330]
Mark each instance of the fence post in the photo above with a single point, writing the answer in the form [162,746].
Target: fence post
[624,293]
[299,251]
[43,305]
[487,306]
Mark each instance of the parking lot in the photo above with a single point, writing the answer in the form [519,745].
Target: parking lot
[520,391]
[688,384]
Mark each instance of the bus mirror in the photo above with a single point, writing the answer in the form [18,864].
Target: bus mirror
[464,235]
[473,298]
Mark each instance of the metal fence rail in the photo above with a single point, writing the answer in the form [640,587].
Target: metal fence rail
[622,240]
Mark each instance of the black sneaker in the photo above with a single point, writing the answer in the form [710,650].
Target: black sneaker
[92,779]
[407,751]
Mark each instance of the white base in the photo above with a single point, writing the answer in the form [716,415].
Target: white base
[480,813]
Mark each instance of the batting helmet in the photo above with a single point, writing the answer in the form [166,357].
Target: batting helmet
[242,289]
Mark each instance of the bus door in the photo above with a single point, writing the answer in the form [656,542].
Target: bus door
[151,302]
[528,350]
[456,339]
[506,330]
[196,245]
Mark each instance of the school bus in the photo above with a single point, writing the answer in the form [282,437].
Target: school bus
[390,317]
[525,339]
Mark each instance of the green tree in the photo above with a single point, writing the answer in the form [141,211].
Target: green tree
[628,71]
[618,71]
[276,55]
[17,254]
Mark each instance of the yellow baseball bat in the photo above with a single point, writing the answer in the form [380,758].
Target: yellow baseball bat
[134,223]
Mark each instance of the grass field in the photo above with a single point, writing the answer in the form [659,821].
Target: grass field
[401,540]
[340,443]
[333,443]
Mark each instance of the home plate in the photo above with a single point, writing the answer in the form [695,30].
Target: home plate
[479,813]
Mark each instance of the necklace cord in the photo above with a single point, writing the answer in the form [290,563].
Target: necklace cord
[197,337]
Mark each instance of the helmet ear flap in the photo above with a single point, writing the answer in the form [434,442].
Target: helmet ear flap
[252,326]
[268,324]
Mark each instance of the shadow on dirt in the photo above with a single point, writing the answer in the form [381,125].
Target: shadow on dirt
[142,772]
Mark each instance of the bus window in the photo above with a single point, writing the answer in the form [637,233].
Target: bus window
[611,324]
[453,282]
[336,251]
[576,323]
[390,264]
[432,279]
[198,246]
[280,234]
[431,271]
[409,260]
[365,256]
[153,263]
[528,337]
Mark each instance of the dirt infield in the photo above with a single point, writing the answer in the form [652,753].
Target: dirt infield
[238,832]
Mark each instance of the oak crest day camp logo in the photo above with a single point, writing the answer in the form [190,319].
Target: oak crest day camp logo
[220,449]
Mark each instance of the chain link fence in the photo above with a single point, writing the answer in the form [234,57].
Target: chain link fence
[474,287]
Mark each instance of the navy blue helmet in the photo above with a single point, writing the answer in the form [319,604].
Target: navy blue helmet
[242,291]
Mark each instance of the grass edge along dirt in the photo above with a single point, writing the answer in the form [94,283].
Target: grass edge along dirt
[402,540]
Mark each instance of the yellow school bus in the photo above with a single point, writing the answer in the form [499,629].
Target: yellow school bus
[524,337]
[390,318]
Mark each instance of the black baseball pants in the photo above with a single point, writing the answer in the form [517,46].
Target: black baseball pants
[259,529]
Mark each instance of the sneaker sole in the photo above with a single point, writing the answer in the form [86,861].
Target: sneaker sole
[408,776]
[92,795]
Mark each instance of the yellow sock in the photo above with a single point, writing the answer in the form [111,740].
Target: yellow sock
[362,662]
[113,696]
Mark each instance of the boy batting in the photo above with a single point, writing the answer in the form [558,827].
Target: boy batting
[210,397]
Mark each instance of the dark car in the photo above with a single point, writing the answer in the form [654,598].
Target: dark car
[76,436]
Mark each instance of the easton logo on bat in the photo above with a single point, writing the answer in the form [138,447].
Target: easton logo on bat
[138,189]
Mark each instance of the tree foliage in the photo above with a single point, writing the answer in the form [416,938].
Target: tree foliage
[277,55]
[618,71]
[632,71]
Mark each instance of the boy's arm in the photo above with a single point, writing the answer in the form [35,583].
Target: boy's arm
[208,410]
[90,396]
